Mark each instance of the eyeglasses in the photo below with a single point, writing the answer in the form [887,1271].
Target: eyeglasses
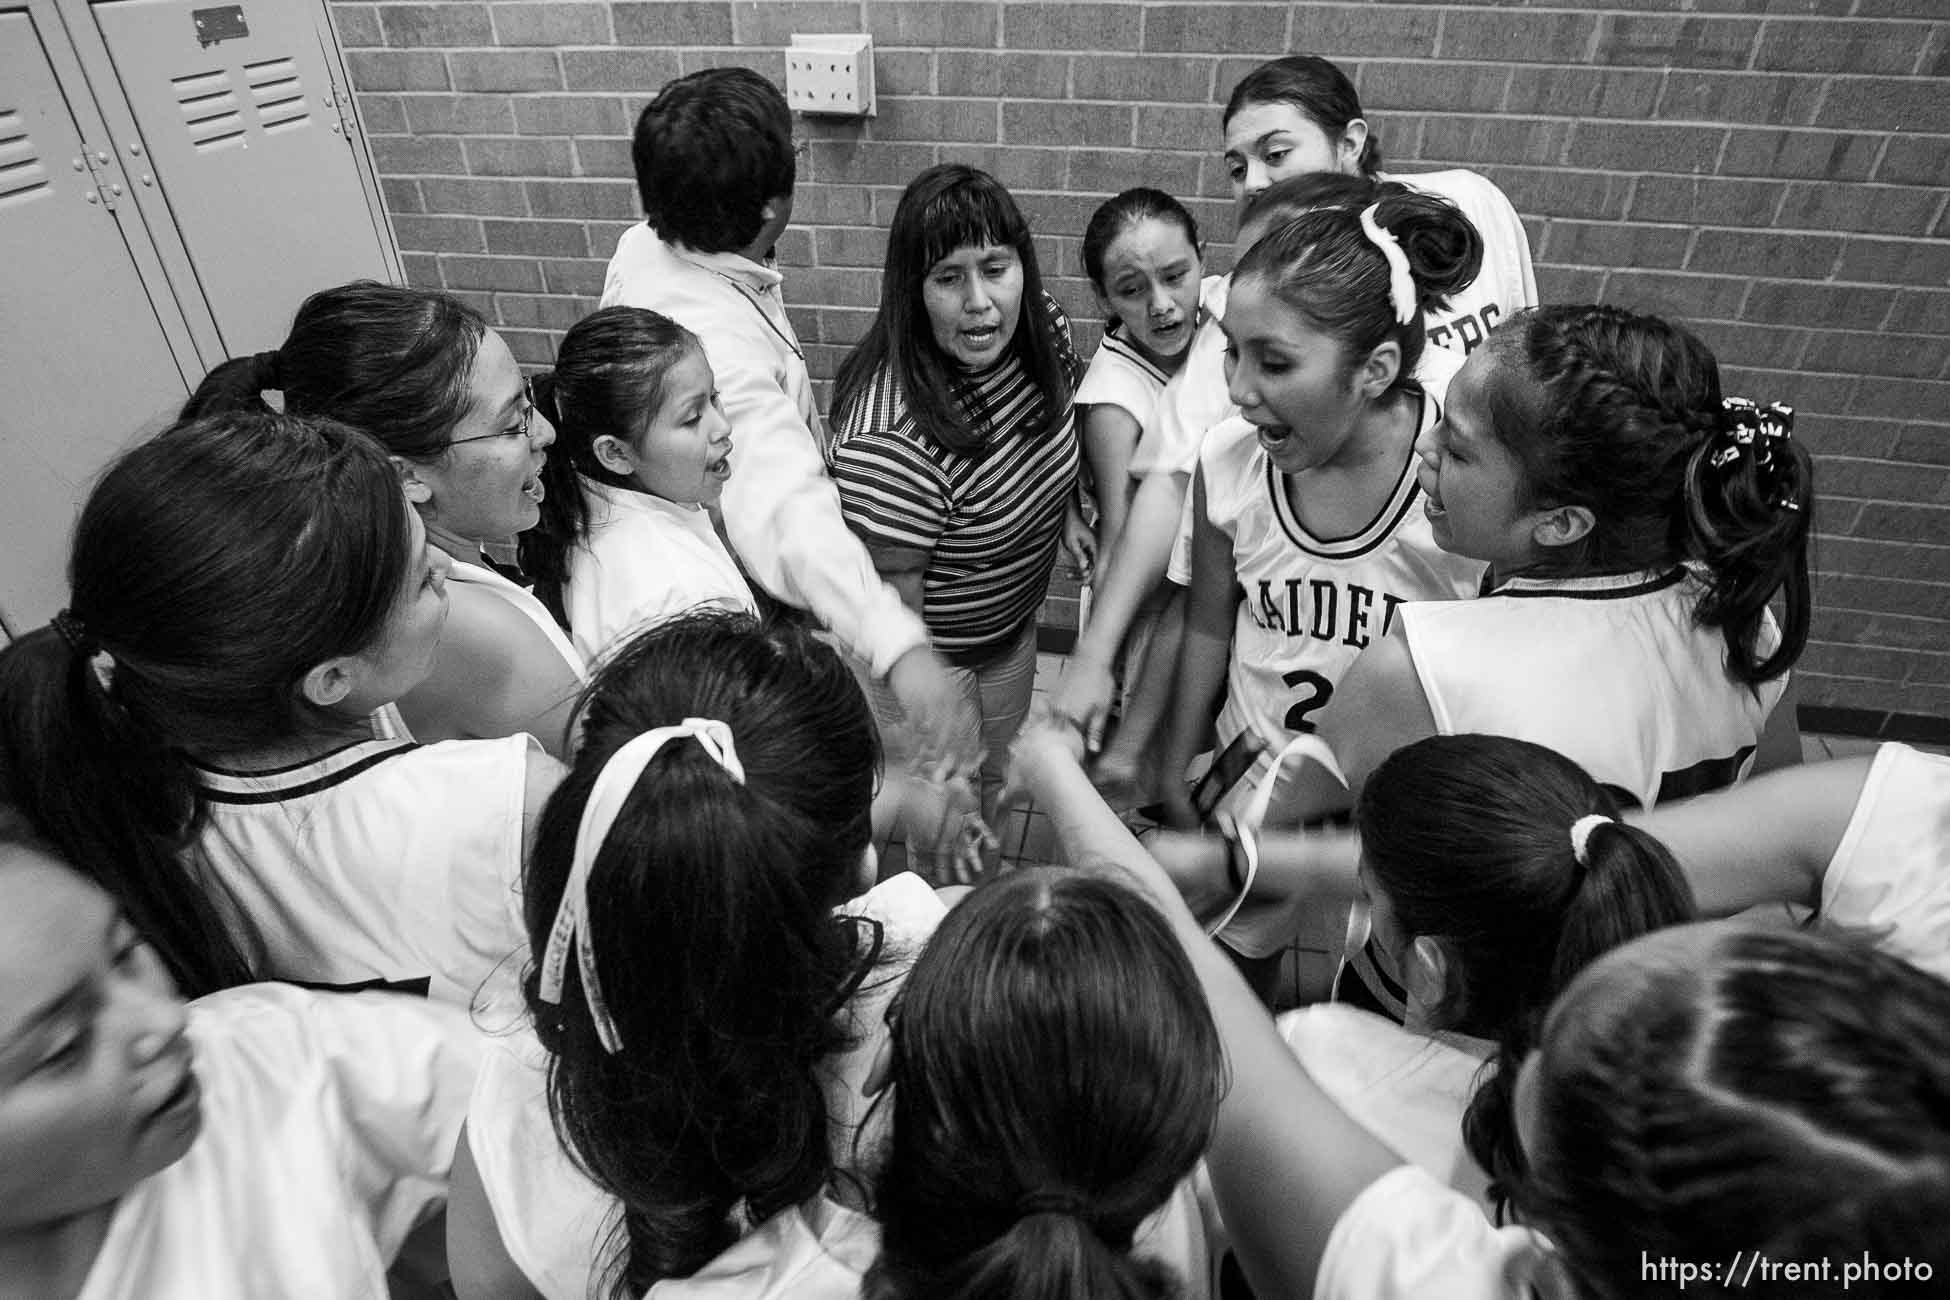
[520,430]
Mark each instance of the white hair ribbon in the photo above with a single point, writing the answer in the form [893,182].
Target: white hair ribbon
[606,798]
[1581,836]
[1401,285]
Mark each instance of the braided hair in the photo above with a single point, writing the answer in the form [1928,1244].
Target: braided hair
[1622,414]
[1785,1091]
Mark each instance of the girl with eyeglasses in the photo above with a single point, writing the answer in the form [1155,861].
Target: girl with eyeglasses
[422,373]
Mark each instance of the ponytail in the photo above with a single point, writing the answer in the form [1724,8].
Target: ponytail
[544,549]
[1050,1255]
[1055,1075]
[608,380]
[111,797]
[1368,274]
[1627,884]
[709,924]
[211,568]
[238,384]
[1750,503]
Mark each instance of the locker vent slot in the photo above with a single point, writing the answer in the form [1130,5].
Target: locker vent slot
[21,172]
[209,109]
[279,97]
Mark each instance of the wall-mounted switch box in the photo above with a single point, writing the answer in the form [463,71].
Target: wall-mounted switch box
[830,76]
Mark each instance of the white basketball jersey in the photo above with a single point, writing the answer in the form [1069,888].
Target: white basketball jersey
[1612,672]
[384,863]
[1311,604]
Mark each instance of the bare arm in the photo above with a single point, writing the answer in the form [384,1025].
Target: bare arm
[1285,1160]
[495,674]
[1133,571]
[1768,840]
[1110,435]
[1378,708]
[482,1269]
[1204,654]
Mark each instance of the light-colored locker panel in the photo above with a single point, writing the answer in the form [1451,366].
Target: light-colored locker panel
[248,149]
[86,354]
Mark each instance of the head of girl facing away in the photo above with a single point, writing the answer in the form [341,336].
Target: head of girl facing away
[961,291]
[635,406]
[423,374]
[1495,871]
[1324,320]
[1143,257]
[679,900]
[1708,1085]
[1593,440]
[1291,116]
[1055,1075]
[96,1086]
[245,589]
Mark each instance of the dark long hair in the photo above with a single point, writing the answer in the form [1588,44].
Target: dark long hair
[395,363]
[1323,265]
[1056,1074]
[945,208]
[1619,413]
[608,379]
[1315,86]
[212,567]
[719,956]
[1785,1090]
[1469,838]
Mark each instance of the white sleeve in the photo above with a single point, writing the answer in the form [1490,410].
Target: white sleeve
[1408,1236]
[390,1076]
[1891,871]
[1195,399]
[783,514]
[1179,570]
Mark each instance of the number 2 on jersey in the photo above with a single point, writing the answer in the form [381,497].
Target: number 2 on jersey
[1318,691]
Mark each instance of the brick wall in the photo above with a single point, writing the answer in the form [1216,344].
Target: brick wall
[1773,171]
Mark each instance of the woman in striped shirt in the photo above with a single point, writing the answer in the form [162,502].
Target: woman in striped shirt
[953,445]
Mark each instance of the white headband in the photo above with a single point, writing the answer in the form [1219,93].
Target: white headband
[606,798]
[1581,836]
[1401,285]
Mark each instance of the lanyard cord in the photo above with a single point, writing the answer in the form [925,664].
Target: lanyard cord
[745,292]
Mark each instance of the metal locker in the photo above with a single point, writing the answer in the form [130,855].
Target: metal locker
[254,151]
[92,348]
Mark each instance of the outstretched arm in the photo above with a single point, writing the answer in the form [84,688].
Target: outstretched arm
[1285,1160]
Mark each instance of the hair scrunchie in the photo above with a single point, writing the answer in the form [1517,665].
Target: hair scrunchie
[1068,1204]
[84,645]
[1401,284]
[1581,836]
[1752,433]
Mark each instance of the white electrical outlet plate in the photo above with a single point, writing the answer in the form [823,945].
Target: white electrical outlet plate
[830,75]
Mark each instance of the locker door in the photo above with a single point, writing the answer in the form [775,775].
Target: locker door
[235,109]
[87,356]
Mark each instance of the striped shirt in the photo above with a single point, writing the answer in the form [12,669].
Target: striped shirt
[988,520]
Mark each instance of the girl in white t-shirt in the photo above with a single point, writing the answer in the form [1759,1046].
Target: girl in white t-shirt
[706,985]
[210,724]
[1142,254]
[642,453]
[1704,1085]
[262,1141]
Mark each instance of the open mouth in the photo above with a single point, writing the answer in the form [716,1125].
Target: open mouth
[979,339]
[533,490]
[1274,436]
[719,468]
